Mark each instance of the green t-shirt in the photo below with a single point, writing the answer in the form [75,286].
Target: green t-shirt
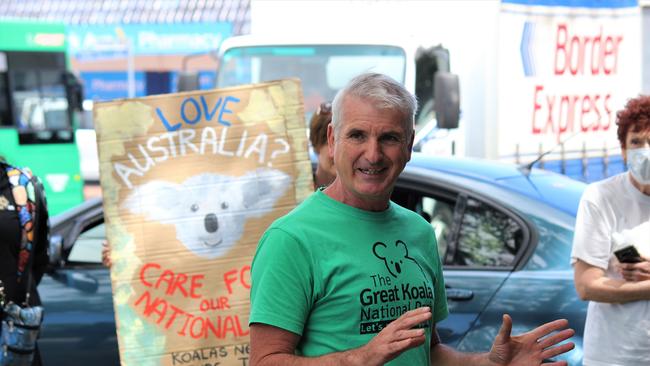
[336,275]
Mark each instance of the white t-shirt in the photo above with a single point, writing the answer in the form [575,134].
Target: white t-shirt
[615,334]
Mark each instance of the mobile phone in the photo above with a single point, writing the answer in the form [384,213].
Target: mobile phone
[628,254]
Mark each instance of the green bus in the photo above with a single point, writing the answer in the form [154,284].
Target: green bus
[39,98]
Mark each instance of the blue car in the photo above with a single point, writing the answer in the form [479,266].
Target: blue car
[504,235]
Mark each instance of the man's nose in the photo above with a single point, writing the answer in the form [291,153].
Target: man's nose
[373,151]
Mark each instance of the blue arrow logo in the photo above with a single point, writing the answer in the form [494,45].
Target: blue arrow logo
[525,49]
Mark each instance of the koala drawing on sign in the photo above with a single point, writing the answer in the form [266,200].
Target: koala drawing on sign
[209,210]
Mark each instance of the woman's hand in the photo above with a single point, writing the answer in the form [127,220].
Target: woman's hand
[635,271]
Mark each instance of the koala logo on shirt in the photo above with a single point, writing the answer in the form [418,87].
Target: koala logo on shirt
[393,256]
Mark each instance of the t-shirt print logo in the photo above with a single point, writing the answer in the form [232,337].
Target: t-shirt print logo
[393,256]
[389,295]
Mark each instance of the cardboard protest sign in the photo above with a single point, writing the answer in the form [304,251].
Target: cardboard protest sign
[190,181]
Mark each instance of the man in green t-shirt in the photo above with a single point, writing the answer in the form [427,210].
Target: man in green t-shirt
[350,278]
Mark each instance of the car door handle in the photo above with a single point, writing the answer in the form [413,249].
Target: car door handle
[457,294]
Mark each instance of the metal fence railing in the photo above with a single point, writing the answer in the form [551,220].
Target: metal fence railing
[587,165]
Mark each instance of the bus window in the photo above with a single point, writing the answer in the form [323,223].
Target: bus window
[39,92]
[55,102]
[27,100]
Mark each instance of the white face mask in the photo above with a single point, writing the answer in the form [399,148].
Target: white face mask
[638,162]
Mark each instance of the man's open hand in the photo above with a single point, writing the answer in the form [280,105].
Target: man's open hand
[531,348]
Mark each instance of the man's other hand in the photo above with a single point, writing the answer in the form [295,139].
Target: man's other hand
[531,348]
[398,336]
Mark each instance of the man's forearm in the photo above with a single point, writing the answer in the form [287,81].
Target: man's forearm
[353,357]
[447,356]
[440,355]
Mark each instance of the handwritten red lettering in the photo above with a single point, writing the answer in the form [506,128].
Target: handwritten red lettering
[220,303]
[245,276]
[229,278]
[156,307]
[171,319]
[242,275]
[197,334]
[142,271]
[172,282]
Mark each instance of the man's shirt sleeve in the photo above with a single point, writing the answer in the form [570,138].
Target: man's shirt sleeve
[282,282]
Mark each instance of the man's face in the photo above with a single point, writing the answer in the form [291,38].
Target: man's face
[636,140]
[370,151]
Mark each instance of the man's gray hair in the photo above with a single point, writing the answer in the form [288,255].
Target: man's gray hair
[383,91]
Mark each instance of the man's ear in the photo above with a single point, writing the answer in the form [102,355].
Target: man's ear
[262,188]
[156,200]
[330,140]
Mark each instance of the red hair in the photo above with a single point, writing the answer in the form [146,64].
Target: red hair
[634,117]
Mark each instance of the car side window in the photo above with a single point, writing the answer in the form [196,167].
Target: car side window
[470,232]
[440,214]
[88,246]
[437,210]
[487,237]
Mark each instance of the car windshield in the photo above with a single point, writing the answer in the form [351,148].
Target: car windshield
[322,69]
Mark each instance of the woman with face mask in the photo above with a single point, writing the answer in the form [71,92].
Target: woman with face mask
[614,214]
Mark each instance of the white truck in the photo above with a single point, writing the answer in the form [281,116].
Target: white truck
[326,65]
[536,75]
